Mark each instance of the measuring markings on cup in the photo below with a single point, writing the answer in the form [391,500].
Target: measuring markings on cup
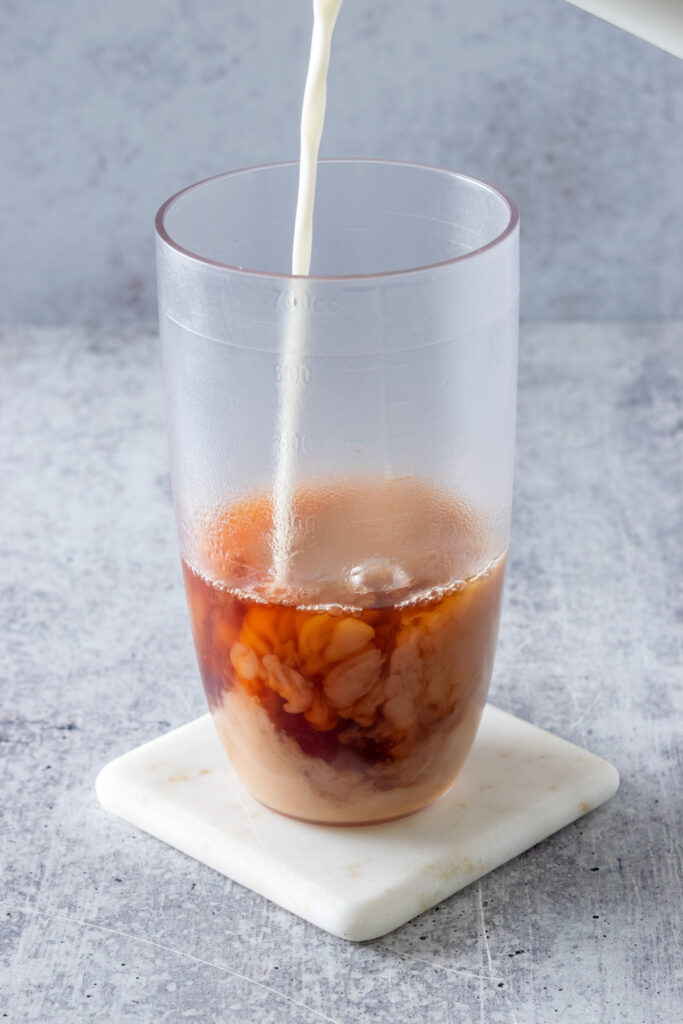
[292,373]
[398,404]
[295,442]
[390,380]
[304,525]
[397,417]
[301,301]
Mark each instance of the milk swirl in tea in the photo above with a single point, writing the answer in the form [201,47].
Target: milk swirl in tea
[348,699]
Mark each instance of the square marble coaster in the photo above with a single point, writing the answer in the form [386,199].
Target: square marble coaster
[519,785]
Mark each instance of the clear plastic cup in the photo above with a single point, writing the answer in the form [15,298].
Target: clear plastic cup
[342,454]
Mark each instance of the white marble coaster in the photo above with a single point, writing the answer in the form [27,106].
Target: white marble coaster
[519,785]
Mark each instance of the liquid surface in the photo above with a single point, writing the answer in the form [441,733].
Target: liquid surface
[353,695]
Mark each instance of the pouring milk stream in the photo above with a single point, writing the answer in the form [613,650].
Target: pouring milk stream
[312,119]
[659,21]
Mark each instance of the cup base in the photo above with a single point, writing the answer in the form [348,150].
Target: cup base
[519,785]
[362,822]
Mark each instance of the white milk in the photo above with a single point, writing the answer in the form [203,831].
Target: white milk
[312,119]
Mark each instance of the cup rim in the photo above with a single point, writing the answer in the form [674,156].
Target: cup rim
[165,237]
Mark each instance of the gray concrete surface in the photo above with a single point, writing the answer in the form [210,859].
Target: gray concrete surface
[103,923]
[109,109]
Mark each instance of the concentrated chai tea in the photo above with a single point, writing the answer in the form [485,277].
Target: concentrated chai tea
[353,697]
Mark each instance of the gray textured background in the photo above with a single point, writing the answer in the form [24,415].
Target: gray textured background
[109,108]
[101,923]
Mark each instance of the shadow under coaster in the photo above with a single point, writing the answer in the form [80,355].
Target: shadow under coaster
[518,786]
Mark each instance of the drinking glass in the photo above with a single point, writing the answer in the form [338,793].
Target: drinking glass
[341,454]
